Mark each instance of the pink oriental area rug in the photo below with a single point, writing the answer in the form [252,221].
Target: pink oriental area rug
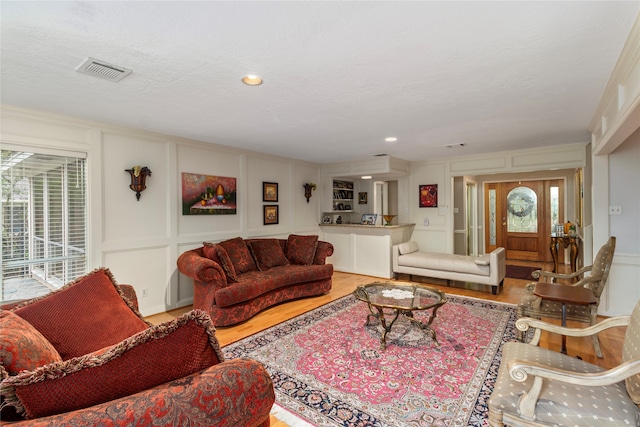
[328,369]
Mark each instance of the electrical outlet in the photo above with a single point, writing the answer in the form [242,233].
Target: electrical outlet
[144,293]
[615,210]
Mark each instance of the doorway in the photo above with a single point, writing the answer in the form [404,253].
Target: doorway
[520,215]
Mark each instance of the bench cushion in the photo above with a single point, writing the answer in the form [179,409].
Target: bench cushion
[407,248]
[444,262]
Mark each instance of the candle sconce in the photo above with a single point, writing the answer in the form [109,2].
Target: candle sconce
[138,176]
[308,187]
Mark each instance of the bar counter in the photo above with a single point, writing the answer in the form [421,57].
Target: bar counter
[364,249]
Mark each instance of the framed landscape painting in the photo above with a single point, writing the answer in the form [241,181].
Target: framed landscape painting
[208,194]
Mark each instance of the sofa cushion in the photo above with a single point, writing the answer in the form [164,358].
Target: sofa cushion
[217,254]
[84,315]
[239,254]
[407,248]
[152,357]
[267,253]
[301,249]
[443,262]
[22,347]
[256,283]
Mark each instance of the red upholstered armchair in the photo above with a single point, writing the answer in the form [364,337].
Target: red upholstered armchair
[97,362]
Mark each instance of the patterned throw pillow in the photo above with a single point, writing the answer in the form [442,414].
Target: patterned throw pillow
[209,251]
[83,316]
[301,249]
[239,254]
[152,357]
[227,265]
[22,347]
[218,254]
[267,253]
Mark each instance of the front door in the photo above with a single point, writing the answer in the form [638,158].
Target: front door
[518,217]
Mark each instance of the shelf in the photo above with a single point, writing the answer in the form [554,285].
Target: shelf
[340,194]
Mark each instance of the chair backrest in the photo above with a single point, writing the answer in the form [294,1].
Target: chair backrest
[631,350]
[602,265]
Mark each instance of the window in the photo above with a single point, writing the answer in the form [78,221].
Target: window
[522,210]
[554,195]
[44,218]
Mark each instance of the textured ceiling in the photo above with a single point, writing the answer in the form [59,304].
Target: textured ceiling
[339,77]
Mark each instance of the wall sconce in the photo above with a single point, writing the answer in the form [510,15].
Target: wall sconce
[308,187]
[138,176]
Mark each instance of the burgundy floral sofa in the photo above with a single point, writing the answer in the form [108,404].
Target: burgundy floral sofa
[237,278]
[84,356]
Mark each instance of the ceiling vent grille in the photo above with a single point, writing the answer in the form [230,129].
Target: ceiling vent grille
[103,70]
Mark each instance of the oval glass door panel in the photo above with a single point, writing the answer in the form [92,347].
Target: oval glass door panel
[522,211]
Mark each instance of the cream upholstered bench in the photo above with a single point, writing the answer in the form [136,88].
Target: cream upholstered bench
[488,269]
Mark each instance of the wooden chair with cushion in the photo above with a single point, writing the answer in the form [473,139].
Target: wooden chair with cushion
[533,306]
[540,387]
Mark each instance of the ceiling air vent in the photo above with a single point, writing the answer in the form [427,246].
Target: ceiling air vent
[103,70]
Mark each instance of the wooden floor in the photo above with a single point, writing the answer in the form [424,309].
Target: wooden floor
[345,283]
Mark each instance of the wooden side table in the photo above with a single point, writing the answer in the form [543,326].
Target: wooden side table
[566,241]
[564,294]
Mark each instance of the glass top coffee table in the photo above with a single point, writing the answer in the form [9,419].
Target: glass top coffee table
[400,299]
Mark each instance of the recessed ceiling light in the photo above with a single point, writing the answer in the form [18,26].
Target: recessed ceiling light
[252,80]
[366,177]
[391,139]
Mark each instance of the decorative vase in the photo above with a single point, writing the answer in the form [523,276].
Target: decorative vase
[388,218]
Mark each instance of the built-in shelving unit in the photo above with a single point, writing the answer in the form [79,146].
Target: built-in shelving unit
[343,196]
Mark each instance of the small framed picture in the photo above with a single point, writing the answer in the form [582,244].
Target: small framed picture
[362,198]
[270,214]
[269,191]
[428,196]
[368,219]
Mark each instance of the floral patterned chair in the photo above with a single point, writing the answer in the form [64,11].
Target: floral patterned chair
[83,355]
[539,387]
[533,306]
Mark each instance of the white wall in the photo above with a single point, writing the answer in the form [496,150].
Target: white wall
[624,191]
[139,241]
[623,288]
[616,177]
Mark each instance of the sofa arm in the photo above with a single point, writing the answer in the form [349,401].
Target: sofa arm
[195,265]
[235,393]
[323,250]
[498,265]
[129,292]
